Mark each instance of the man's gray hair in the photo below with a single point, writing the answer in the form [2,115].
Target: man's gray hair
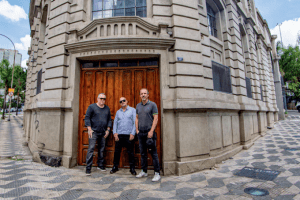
[100,94]
[144,89]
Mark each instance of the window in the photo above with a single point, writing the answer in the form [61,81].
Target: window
[248,87]
[90,64]
[221,77]
[39,82]
[272,63]
[261,93]
[211,17]
[153,62]
[114,8]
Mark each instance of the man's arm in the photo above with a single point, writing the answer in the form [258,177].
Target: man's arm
[137,124]
[87,121]
[134,119]
[155,120]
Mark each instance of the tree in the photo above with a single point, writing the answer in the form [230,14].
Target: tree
[298,38]
[290,65]
[5,74]
[20,75]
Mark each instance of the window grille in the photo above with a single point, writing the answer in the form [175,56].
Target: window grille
[261,93]
[248,87]
[272,63]
[39,82]
[221,77]
[211,17]
[115,8]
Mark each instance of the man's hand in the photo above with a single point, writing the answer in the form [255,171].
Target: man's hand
[90,132]
[150,134]
[106,134]
[131,137]
[116,137]
[137,131]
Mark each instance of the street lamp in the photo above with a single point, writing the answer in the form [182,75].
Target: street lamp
[12,75]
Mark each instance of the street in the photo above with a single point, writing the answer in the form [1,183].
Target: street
[277,153]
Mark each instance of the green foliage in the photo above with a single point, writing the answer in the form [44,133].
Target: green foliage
[20,75]
[290,65]
[5,74]
[1,102]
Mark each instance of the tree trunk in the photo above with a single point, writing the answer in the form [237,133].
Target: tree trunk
[4,103]
[17,104]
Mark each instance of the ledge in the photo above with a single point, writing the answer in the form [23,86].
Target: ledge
[120,43]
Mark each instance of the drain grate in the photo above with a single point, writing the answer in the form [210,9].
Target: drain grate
[256,191]
[292,149]
[262,174]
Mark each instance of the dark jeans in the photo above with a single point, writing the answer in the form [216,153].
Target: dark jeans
[144,154]
[124,142]
[101,145]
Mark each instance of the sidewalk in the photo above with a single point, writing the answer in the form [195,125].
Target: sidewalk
[278,151]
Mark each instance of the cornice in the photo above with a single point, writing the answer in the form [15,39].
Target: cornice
[120,43]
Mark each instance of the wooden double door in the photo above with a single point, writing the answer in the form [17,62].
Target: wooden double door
[116,82]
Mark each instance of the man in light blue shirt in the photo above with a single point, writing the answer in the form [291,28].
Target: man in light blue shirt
[124,132]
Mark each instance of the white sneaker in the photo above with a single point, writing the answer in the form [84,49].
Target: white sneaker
[156,177]
[141,174]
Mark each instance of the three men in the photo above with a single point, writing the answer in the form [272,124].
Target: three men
[124,132]
[128,121]
[145,123]
[98,122]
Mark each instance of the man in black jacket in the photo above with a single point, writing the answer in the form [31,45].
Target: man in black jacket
[98,121]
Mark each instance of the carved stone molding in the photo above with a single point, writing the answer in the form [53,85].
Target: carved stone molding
[119,33]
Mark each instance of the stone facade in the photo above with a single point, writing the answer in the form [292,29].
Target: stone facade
[200,125]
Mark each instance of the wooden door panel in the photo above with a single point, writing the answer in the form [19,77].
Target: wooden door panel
[127,86]
[110,91]
[88,90]
[115,84]
[85,139]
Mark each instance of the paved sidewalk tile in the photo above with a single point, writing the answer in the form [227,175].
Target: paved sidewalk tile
[278,150]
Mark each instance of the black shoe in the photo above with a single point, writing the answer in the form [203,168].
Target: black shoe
[133,172]
[88,172]
[102,168]
[114,170]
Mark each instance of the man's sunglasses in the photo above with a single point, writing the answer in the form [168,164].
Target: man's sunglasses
[121,101]
[102,98]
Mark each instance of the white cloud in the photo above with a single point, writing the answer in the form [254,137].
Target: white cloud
[15,13]
[289,31]
[25,43]
[23,64]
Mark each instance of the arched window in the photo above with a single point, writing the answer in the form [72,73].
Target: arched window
[211,16]
[114,8]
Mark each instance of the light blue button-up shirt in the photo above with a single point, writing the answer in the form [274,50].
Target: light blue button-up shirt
[124,123]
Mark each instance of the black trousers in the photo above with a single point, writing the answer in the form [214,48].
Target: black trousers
[124,142]
[142,136]
[97,137]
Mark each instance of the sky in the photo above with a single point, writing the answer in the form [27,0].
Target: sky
[14,22]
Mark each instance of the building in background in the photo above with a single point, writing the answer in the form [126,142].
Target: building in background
[8,54]
[210,66]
